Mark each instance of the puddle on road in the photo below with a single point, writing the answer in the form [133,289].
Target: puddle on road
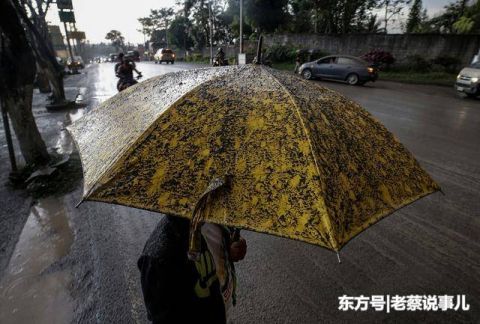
[74,115]
[29,293]
[65,145]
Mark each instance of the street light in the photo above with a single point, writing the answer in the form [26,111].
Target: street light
[241,26]
[241,56]
[211,30]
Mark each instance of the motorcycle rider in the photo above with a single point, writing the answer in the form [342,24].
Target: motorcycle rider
[125,75]
[220,57]
[124,71]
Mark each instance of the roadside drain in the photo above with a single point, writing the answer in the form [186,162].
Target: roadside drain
[31,291]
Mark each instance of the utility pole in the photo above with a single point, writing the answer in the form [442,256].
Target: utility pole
[8,136]
[241,26]
[68,41]
[211,30]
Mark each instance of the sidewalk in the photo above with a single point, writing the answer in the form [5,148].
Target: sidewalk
[57,261]
[18,231]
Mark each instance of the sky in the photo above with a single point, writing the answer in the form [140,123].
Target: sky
[97,17]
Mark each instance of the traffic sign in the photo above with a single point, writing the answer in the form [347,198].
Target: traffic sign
[67,16]
[64,4]
[79,35]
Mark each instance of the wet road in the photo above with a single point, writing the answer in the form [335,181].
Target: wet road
[428,248]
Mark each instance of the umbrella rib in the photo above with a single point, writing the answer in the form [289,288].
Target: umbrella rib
[305,131]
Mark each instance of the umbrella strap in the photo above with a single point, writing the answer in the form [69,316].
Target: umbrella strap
[195,239]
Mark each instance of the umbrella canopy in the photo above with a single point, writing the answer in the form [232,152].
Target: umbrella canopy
[302,161]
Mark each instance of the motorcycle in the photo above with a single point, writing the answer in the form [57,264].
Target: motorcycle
[123,84]
[220,62]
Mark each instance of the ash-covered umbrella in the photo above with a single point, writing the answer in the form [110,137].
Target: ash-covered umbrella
[248,147]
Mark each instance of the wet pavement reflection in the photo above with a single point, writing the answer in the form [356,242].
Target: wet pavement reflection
[33,288]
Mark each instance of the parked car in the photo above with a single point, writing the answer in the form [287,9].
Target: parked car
[112,57]
[76,63]
[350,69]
[164,55]
[133,55]
[468,80]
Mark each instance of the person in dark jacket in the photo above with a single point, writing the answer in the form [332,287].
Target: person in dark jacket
[176,289]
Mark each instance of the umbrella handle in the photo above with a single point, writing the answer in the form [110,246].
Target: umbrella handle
[236,235]
[194,245]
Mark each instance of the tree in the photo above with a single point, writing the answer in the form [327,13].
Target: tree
[117,40]
[334,17]
[198,12]
[37,32]
[17,68]
[179,34]
[414,21]
[301,21]
[372,25]
[463,25]
[266,15]
[444,23]
[391,9]
[469,22]
[158,21]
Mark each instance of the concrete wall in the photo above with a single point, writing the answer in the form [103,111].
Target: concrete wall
[430,46]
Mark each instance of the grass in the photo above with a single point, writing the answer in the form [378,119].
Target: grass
[434,78]
[285,66]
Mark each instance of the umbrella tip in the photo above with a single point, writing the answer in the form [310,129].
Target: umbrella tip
[259,50]
[79,203]
[338,257]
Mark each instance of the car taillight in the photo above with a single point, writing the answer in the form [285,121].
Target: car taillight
[370,70]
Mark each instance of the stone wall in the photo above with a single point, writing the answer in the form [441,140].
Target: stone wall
[430,46]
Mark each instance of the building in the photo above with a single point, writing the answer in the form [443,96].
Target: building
[57,40]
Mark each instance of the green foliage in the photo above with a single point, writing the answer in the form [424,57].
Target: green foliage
[288,54]
[197,58]
[301,21]
[414,21]
[464,25]
[435,78]
[391,9]
[196,19]
[447,63]
[158,20]
[417,63]
[178,33]
[266,15]
[458,17]
[116,39]
[280,53]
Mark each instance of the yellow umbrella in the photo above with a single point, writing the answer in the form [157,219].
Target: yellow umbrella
[248,147]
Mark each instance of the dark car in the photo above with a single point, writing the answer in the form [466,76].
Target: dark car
[75,63]
[350,69]
[113,57]
[133,55]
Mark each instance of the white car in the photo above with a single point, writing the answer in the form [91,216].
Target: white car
[468,80]
[164,55]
